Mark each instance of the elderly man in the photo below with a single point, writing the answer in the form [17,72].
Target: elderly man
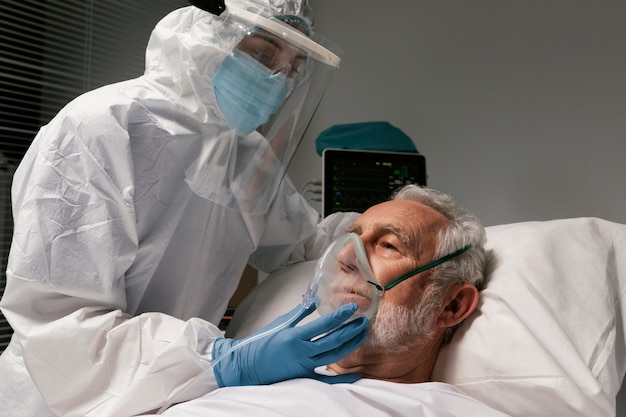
[428,255]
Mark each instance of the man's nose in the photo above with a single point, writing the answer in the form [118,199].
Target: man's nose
[346,257]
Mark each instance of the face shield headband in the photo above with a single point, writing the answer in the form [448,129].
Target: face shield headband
[343,275]
[215,7]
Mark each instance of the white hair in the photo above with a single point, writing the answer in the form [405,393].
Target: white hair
[463,229]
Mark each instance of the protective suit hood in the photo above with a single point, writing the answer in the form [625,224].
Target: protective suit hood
[181,59]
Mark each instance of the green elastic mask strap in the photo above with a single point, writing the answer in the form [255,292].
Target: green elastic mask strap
[421,269]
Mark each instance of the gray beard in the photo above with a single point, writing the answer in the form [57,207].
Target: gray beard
[398,328]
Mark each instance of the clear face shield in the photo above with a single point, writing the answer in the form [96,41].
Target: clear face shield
[267,88]
[343,275]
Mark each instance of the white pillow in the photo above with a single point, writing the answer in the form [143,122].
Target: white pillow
[548,336]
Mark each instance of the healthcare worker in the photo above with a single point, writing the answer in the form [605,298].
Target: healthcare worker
[138,206]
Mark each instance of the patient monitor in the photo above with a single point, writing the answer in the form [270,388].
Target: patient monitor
[355,180]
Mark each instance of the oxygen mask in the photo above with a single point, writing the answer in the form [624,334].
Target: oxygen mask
[343,275]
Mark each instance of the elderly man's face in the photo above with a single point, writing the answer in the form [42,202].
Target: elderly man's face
[398,236]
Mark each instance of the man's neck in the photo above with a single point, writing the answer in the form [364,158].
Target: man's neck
[410,366]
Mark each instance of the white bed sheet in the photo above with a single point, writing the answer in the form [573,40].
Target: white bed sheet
[311,398]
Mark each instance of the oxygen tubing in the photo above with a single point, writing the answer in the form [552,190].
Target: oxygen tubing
[308,299]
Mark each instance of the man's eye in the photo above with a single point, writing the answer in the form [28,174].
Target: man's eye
[387,245]
[347,268]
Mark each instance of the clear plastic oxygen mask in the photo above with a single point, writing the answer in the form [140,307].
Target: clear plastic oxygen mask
[343,275]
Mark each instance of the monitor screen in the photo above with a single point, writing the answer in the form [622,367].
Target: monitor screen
[355,180]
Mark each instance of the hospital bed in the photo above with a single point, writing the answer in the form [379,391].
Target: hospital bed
[548,338]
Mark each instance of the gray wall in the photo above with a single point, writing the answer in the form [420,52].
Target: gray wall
[519,106]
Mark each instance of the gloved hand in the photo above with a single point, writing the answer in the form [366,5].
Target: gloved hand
[289,352]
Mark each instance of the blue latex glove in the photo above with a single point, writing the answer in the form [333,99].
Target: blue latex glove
[289,353]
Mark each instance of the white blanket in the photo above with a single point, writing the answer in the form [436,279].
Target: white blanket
[308,397]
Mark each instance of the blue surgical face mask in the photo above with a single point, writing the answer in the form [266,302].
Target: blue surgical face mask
[247,92]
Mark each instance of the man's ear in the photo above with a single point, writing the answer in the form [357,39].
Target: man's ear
[459,302]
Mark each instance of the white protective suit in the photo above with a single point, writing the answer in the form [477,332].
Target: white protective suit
[117,268]
[307,397]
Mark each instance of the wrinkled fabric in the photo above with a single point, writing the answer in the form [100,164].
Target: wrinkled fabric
[118,271]
[307,397]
